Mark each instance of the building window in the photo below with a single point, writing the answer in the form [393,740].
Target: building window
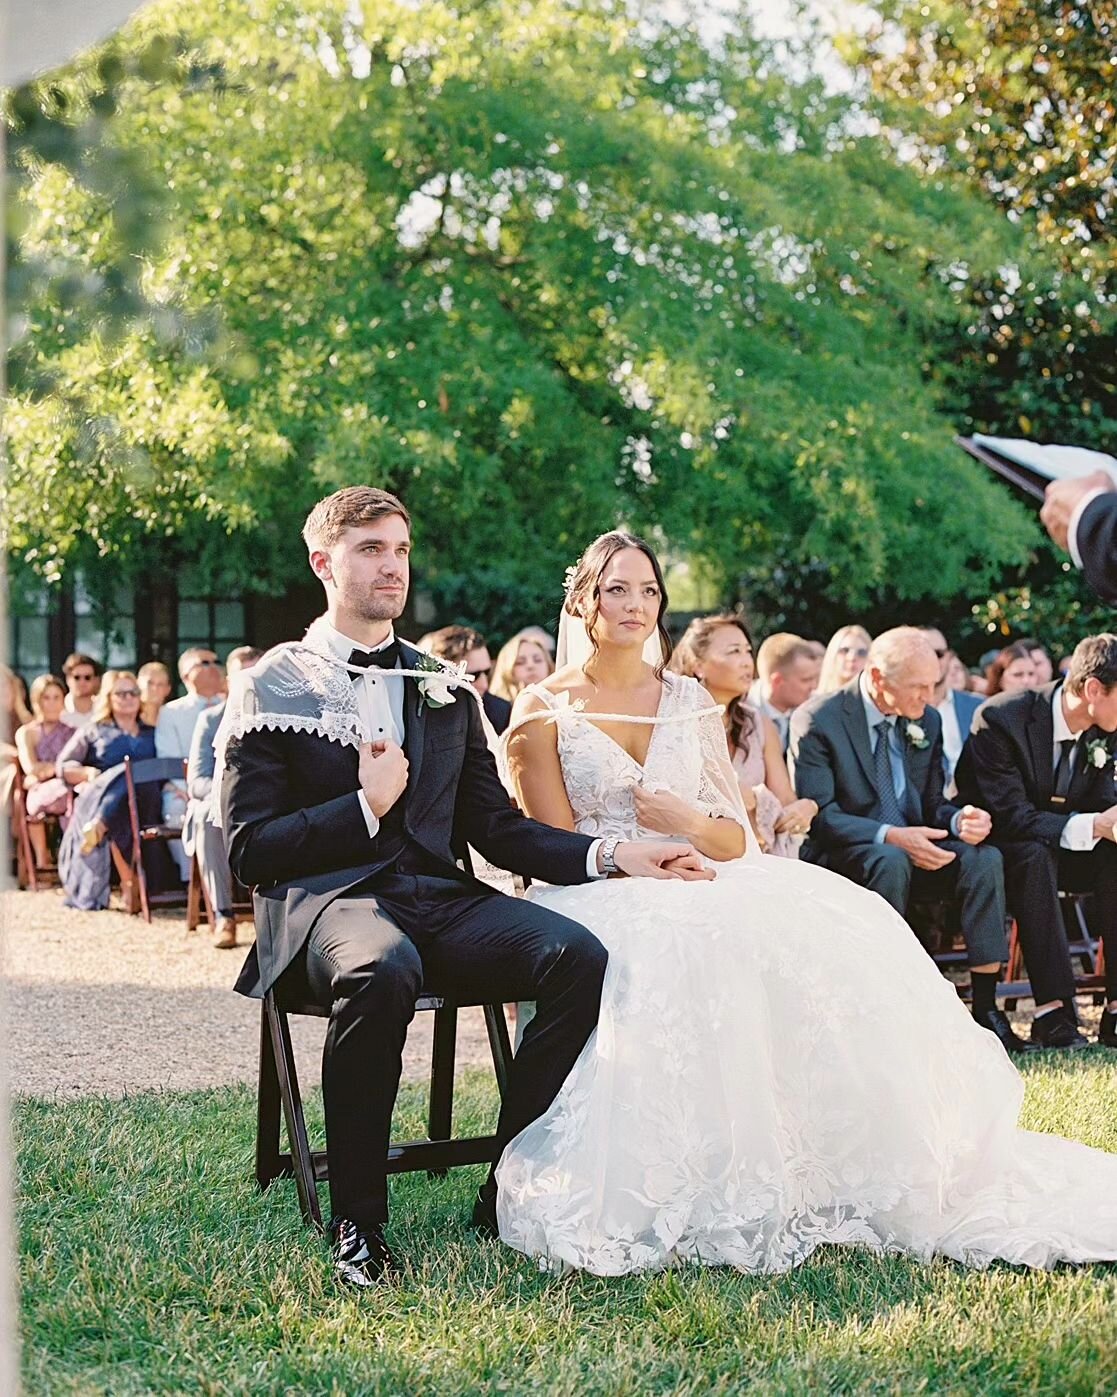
[105,625]
[31,609]
[211,623]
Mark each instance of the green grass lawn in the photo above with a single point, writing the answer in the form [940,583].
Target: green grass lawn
[151,1264]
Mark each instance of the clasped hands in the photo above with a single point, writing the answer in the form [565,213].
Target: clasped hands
[382,772]
[921,842]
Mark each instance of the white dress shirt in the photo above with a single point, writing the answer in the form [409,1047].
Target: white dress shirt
[952,738]
[380,705]
[1078,832]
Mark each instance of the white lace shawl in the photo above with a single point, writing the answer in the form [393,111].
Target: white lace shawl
[302,686]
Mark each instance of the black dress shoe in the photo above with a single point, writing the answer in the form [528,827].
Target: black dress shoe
[1107,1029]
[1057,1029]
[996,1021]
[361,1259]
[484,1221]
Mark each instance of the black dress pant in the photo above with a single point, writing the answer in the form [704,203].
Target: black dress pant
[368,957]
[974,881]
[1034,873]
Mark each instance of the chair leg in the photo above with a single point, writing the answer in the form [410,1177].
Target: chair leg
[193,896]
[440,1118]
[301,1159]
[141,881]
[499,1044]
[269,1165]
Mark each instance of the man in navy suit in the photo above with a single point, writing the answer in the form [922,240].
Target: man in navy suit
[1081,516]
[955,707]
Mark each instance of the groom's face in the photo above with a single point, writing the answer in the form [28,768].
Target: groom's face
[369,568]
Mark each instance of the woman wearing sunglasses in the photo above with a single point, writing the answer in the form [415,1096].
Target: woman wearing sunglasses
[844,659]
[115,731]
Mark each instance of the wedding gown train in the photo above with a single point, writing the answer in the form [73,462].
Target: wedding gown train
[778,1065]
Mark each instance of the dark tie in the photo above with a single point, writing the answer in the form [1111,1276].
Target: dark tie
[1064,772]
[386,658]
[890,810]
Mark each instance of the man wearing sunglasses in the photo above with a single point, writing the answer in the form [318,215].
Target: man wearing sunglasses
[204,679]
[956,708]
[459,644]
[83,678]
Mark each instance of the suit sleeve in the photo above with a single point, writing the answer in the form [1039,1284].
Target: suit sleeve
[485,817]
[813,758]
[200,765]
[992,774]
[272,837]
[1097,545]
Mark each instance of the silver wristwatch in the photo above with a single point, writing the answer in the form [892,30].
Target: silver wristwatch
[609,854]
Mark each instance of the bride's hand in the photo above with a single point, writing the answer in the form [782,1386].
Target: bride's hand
[663,812]
[654,858]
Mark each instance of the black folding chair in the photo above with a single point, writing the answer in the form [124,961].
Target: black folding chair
[133,876]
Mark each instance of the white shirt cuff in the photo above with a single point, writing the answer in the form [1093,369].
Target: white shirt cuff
[1078,833]
[1076,519]
[591,861]
[881,834]
[371,820]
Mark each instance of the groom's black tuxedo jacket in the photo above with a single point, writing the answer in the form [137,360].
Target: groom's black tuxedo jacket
[833,765]
[1007,767]
[295,828]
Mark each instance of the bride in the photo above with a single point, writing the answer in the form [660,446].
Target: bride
[778,1065]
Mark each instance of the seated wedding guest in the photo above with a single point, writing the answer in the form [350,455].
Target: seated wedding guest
[788,670]
[40,742]
[717,651]
[1012,671]
[844,658]
[201,673]
[958,676]
[459,644]
[82,675]
[14,713]
[92,760]
[521,661]
[545,638]
[154,680]
[1043,761]
[200,836]
[871,757]
[955,707]
[1045,670]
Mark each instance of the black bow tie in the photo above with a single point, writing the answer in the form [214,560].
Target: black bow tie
[387,658]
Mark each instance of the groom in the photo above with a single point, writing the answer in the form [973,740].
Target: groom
[359,898]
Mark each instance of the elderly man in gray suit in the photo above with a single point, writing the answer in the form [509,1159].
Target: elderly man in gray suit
[200,835]
[871,757]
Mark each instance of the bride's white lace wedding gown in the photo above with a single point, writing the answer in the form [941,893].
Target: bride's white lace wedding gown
[778,1065]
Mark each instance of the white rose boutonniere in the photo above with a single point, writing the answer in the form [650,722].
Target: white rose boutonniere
[1097,753]
[436,688]
[917,737]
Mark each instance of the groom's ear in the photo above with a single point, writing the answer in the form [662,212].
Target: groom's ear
[320,565]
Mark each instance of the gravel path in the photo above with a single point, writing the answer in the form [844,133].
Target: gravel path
[101,1003]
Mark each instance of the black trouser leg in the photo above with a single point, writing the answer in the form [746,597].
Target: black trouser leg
[1032,885]
[360,963]
[502,949]
[975,880]
[1096,872]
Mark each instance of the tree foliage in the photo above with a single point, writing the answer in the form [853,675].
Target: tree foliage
[540,269]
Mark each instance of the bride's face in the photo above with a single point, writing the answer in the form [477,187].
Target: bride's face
[628,600]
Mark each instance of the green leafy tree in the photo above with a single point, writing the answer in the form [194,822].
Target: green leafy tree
[541,269]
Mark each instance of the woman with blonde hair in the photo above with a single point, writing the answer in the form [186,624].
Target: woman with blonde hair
[521,661]
[717,651]
[844,659]
[39,743]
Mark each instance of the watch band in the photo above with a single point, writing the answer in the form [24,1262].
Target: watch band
[609,854]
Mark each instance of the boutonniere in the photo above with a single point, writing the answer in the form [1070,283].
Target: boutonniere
[917,737]
[1097,753]
[439,681]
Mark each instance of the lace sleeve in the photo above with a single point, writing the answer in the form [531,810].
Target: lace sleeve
[719,793]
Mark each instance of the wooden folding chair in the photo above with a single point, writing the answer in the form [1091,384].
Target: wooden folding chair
[29,877]
[133,876]
[198,898]
[1084,947]
[279,1091]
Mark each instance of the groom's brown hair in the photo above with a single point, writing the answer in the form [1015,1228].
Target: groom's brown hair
[356,504]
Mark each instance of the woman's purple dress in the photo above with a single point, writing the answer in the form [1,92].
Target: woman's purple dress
[49,797]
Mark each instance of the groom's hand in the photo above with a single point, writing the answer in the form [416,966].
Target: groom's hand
[652,858]
[382,772]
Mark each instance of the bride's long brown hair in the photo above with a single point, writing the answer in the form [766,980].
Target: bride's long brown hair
[583,593]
